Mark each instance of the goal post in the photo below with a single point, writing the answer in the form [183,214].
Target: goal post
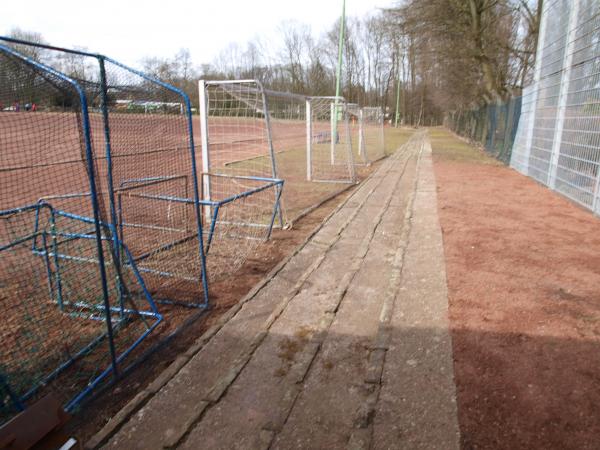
[309,133]
[329,146]
[250,131]
[78,309]
[355,117]
[372,120]
[241,189]
[204,149]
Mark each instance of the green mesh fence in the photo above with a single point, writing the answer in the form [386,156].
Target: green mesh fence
[493,126]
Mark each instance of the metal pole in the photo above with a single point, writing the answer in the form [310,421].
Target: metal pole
[381,123]
[205,156]
[308,141]
[361,141]
[398,98]
[111,190]
[348,146]
[333,132]
[339,67]
[274,174]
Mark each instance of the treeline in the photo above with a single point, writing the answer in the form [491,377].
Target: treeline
[461,55]
[302,63]
[430,56]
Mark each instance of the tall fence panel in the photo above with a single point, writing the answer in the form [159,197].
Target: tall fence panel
[558,138]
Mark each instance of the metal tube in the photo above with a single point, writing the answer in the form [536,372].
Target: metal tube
[308,140]
[206,194]
[362,151]
[212,228]
[271,149]
[339,65]
[274,212]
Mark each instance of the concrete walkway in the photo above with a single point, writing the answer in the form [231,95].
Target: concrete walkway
[346,346]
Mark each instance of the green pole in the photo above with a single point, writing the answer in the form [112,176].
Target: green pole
[340,50]
[398,97]
[339,66]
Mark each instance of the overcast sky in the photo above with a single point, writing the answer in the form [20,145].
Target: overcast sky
[130,30]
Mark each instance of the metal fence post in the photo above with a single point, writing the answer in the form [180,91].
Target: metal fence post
[596,198]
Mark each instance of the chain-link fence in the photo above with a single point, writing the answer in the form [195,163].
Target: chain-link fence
[492,126]
[558,138]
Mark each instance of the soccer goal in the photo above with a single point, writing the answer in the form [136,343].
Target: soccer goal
[241,193]
[142,141]
[373,135]
[329,143]
[357,136]
[255,132]
[75,307]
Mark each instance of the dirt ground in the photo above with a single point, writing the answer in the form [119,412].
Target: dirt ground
[523,268]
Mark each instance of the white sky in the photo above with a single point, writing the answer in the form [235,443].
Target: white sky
[130,30]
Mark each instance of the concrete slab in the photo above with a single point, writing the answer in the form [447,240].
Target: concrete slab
[416,407]
[322,356]
[325,414]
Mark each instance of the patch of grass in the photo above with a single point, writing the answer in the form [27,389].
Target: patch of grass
[447,147]
[395,137]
